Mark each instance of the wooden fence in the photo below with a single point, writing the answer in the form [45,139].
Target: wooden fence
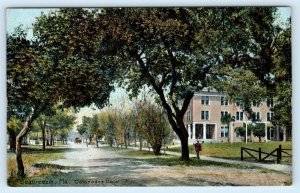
[262,156]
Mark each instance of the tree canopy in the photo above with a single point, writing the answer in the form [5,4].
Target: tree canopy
[174,51]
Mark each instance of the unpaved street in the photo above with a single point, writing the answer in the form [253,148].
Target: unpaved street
[103,167]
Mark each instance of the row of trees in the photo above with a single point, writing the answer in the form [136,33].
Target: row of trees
[51,125]
[145,122]
[77,55]
[256,129]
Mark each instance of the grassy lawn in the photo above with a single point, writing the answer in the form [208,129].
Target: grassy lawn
[233,151]
[33,155]
[170,160]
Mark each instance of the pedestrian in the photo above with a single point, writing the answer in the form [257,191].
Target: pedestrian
[198,148]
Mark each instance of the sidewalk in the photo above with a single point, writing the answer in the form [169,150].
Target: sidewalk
[277,167]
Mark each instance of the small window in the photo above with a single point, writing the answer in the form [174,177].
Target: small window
[224,101]
[205,100]
[270,102]
[256,116]
[204,115]
[223,113]
[239,103]
[270,116]
[255,104]
[224,131]
[239,116]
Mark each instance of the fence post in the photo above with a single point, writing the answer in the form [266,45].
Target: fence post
[280,152]
[278,155]
[259,154]
[242,156]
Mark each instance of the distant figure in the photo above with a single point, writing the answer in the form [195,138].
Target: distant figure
[77,140]
[198,148]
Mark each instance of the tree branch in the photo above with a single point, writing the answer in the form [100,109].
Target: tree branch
[159,91]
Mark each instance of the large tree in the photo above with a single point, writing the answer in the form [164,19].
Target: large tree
[171,50]
[256,64]
[283,78]
[39,76]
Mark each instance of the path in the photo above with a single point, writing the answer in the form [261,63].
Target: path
[277,167]
[84,166]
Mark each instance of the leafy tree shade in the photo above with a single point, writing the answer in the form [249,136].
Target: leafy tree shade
[175,52]
[171,50]
[37,80]
[166,49]
[258,64]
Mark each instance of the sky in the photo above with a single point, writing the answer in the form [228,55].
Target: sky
[27,16]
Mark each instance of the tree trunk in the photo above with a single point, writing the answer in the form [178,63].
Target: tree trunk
[44,135]
[184,149]
[51,140]
[97,144]
[284,134]
[19,138]
[125,140]
[183,136]
[12,141]
[156,149]
[141,143]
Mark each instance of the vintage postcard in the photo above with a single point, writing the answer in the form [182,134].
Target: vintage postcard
[170,96]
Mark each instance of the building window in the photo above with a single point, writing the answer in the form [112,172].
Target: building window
[205,100]
[256,116]
[239,116]
[238,103]
[224,131]
[269,116]
[224,101]
[255,104]
[189,115]
[204,115]
[270,102]
[223,113]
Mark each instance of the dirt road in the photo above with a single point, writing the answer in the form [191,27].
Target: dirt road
[103,167]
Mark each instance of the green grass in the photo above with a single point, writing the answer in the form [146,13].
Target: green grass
[170,160]
[233,151]
[138,153]
[33,155]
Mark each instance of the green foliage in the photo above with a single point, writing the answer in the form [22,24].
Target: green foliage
[108,120]
[258,130]
[242,131]
[174,51]
[153,124]
[283,77]
[227,119]
[61,123]
[14,124]
[83,128]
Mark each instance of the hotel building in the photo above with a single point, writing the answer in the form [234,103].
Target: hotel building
[203,119]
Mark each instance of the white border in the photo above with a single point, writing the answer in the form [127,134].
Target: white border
[146,3]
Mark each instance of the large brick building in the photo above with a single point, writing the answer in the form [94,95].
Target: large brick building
[203,119]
